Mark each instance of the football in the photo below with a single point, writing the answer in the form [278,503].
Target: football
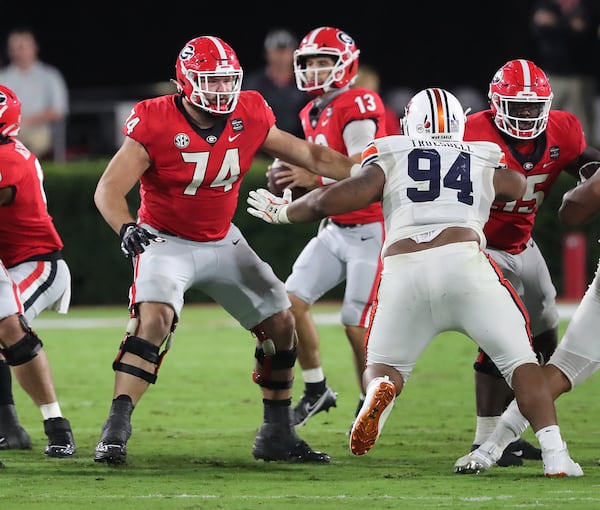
[276,189]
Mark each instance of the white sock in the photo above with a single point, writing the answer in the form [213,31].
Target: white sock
[51,410]
[485,427]
[313,375]
[550,438]
[509,428]
[513,419]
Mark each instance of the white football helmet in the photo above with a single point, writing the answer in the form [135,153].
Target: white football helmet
[435,114]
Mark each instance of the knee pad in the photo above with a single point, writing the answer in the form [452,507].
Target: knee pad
[278,361]
[143,349]
[24,350]
[485,365]
[266,343]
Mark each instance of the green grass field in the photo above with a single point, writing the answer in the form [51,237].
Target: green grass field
[193,431]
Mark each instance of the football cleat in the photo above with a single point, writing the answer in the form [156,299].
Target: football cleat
[14,438]
[115,433]
[279,442]
[12,435]
[516,452]
[60,438]
[369,422]
[309,405]
[558,463]
[473,463]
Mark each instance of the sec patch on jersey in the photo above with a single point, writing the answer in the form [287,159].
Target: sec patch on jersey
[276,167]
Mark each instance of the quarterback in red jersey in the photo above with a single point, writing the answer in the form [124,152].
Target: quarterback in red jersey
[36,277]
[190,151]
[347,247]
[539,143]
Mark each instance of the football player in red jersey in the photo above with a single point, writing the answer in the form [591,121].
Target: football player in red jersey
[36,277]
[347,246]
[190,151]
[540,143]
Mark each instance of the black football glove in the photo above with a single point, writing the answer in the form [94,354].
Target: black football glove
[134,239]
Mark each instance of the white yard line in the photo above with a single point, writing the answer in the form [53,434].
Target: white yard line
[565,311]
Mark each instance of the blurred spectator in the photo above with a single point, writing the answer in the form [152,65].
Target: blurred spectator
[567,36]
[276,81]
[367,77]
[43,93]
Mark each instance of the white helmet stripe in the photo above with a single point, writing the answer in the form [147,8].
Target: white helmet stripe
[217,43]
[313,35]
[526,75]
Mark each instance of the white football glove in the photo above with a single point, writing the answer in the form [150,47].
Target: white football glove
[587,170]
[268,207]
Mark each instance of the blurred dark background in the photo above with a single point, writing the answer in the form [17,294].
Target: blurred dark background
[125,44]
[113,53]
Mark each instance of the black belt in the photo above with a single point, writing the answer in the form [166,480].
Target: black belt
[345,225]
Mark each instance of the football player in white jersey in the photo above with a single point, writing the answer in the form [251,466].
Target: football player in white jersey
[577,356]
[436,192]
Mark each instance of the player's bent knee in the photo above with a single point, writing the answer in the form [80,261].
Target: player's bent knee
[24,350]
[143,349]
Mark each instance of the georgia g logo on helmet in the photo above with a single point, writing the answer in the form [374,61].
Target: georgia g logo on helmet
[497,78]
[345,38]
[3,101]
[187,52]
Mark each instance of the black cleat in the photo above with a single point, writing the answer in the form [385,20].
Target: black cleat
[515,452]
[309,405]
[116,432]
[518,450]
[14,438]
[12,435]
[111,452]
[60,438]
[279,442]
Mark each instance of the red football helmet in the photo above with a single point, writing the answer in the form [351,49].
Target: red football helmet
[10,112]
[201,63]
[331,42]
[520,97]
